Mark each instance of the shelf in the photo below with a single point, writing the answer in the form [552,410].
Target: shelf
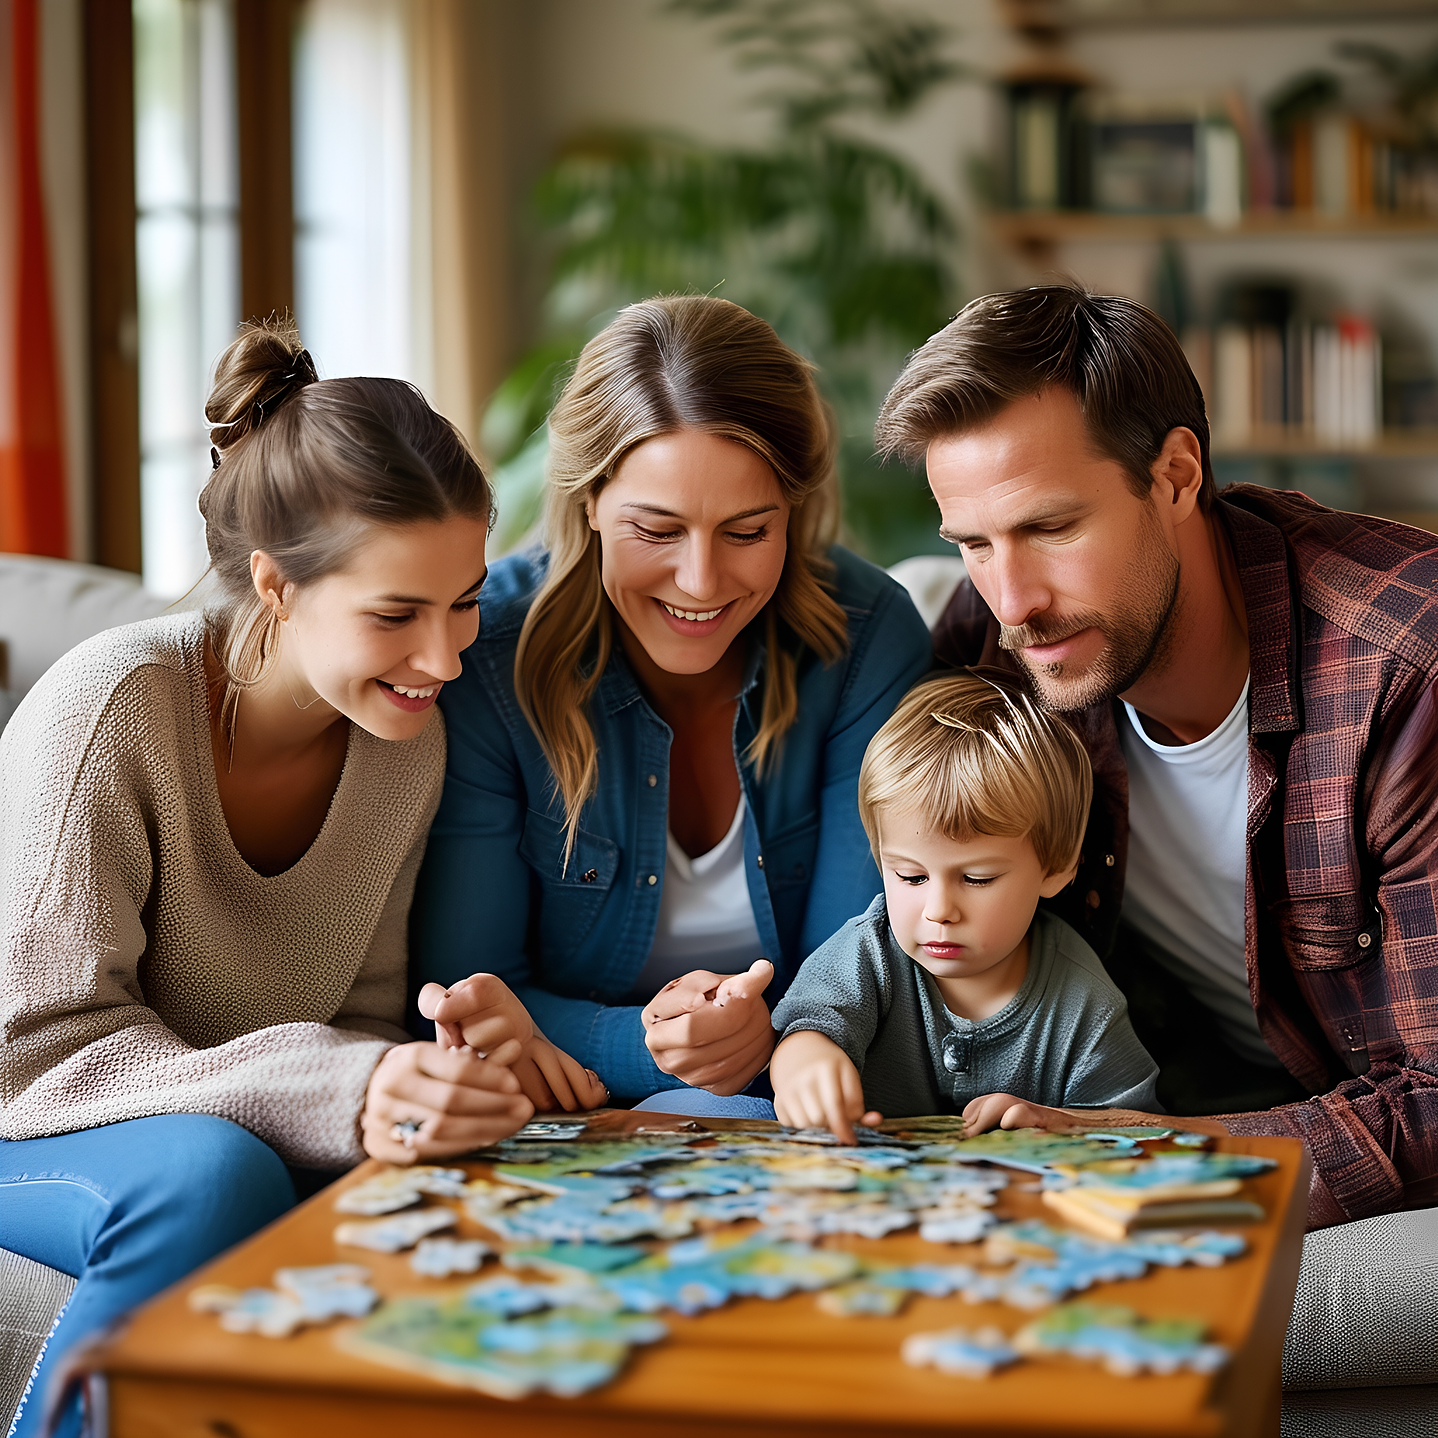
[1044,228]
[1392,444]
[1132,14]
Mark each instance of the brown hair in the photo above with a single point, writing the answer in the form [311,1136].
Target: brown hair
[303,468]
[665,365]
[1123,365]
[975,755]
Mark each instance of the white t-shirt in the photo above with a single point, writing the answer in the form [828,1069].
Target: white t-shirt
[1187,860]
[706,920]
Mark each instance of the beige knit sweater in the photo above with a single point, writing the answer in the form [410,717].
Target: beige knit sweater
[145,968]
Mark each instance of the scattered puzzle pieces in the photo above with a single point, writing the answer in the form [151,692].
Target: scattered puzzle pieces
[1122,1341]
[967,1353]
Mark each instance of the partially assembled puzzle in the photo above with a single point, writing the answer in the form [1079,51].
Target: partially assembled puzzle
[595,1236]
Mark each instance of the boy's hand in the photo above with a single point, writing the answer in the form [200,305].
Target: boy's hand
[817,1086]
[427,1102]
[1004,1110]
[483,1012]
[712,1030]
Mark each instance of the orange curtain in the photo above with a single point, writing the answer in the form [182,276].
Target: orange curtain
[32,459]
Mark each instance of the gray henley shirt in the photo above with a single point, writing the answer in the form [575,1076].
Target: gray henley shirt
[1063,1040]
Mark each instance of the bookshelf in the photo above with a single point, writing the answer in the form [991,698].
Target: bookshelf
[1329,208]
[1031,229]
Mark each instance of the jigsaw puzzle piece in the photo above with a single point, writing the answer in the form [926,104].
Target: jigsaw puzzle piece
[961,1351]
[444,1256]
[395,1233]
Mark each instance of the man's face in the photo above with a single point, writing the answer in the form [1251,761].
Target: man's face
[1079,571]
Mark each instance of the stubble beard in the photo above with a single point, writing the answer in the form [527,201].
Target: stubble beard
[1136,643]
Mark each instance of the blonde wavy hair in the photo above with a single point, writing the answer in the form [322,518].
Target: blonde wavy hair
[666,365]
[975,755]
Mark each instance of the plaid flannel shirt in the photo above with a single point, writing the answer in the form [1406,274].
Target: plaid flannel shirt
[1342,877]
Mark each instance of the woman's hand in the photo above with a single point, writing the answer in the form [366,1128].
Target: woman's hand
[712,1030]
[454,1099]
[817,1086]
[1005,1110]
[551,1080]
[483,1011]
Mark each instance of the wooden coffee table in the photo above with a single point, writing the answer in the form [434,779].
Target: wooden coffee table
[756,1368]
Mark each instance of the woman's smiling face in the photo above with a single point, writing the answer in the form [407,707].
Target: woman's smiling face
[377,640]
[693,534]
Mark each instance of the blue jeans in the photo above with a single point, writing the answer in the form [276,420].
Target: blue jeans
[127,1210]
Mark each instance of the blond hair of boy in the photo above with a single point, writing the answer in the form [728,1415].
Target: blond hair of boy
[954,991]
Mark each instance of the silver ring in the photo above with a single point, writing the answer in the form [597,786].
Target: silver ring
[406,1130]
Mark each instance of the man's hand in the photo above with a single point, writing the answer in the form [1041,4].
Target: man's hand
[817,1086]
[451,1100]
[482,1011]
[1005,1110]
[712,1030]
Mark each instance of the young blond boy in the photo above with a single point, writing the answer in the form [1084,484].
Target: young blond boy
[954,992]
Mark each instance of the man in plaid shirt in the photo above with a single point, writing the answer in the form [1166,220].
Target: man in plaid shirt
[1254,678]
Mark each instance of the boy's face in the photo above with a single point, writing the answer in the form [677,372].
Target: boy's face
[959,906]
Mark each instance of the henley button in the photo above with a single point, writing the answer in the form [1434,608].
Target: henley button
[760,861]
[654,878]
[653,780]
[1093,899]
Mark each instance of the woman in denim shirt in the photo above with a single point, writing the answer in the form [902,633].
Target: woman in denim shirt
[655,743]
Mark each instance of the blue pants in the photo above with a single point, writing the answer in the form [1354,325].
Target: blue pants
[127,1210]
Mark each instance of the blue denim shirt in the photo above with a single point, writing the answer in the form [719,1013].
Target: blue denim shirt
[494,894]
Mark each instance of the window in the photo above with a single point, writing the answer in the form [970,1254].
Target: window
[187,258]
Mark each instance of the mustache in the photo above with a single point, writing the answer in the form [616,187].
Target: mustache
[1048,631]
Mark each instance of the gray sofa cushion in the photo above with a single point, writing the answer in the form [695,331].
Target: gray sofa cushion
[31,1297]
[1366,1311]
[47,606]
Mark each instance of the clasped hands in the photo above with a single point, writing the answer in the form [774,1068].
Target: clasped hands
[487,1073]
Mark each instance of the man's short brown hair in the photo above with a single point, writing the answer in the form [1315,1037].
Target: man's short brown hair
[1123,365]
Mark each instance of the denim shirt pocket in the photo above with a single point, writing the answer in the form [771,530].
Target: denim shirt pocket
[571,896]
[1335,947]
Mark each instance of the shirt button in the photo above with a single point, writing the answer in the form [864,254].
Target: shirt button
[1093,899]
[760,861]
[1108,860]
[1364,940]
[653,879]
[653,780]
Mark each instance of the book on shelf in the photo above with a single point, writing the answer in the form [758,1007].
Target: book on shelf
[1319,382]
[1213,155]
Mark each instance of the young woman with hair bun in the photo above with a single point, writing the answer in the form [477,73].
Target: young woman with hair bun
[655,744]
[210,828]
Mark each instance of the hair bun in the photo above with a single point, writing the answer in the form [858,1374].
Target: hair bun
[255,375]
